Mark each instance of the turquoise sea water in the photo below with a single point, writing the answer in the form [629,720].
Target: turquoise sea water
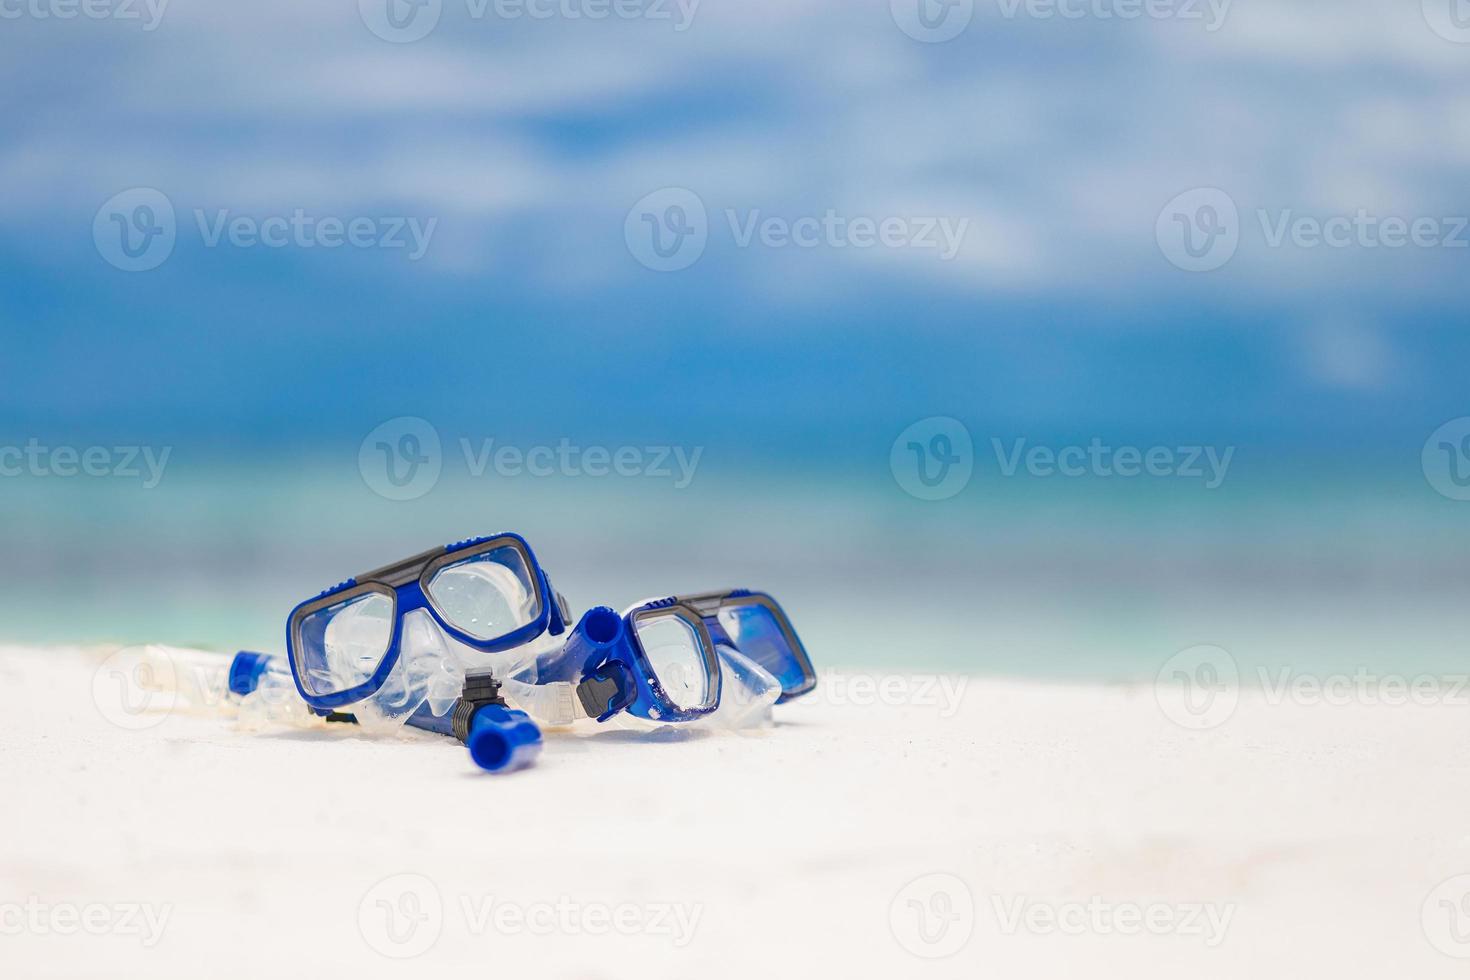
[1285,563]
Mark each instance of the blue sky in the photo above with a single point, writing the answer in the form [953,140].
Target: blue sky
[1058,141]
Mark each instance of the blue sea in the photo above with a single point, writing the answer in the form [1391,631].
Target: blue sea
[1089,578]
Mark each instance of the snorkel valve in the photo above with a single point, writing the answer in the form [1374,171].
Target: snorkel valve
[500,738]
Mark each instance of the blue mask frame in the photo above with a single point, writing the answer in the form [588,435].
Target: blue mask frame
[605,658]
[405,583]
[768,637]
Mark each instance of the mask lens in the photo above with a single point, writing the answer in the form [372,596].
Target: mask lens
[340,646]
[757,633]
[488,595]
[676,655]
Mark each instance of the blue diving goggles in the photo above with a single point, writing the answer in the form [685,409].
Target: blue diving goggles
[488,593]
[660,660]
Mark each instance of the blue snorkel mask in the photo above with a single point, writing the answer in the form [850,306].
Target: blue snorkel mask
[486,594]
[666,660]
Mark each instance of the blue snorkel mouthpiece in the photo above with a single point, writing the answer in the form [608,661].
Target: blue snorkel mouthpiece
[598,645]
[245,671]
[500,738]
[503,739]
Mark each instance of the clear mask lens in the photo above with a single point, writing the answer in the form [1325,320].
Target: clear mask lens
[674,651]
[488,596]
[340,646]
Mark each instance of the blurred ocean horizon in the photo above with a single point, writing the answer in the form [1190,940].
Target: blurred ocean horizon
[1288,562]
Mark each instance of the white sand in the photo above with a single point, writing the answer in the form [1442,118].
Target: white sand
[1313,834]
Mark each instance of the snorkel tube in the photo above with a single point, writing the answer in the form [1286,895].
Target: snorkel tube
[500,738]
[599,648]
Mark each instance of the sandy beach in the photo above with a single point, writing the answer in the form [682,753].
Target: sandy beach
[894,825]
